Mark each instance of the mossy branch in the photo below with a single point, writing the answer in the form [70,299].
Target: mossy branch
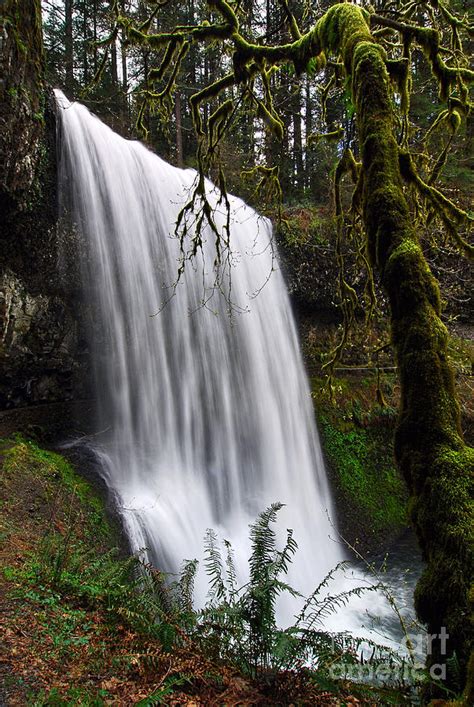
[451,215]
[334,135]
[348,296]
[428,38]
[206,94]
[200,33]
[291,20]
[170,51]
[268,187]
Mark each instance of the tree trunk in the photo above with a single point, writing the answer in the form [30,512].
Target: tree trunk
[114,66]
[429,448]
[21,101]
[68,48]
[298,140]
[125,81]
[85,31]
[95,57]
[179,131]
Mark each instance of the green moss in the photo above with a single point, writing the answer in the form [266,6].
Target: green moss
[65,582]
[365,472]
[25,462]
[342,27]
[357,438]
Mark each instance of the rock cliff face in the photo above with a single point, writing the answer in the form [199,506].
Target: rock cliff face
[43,357]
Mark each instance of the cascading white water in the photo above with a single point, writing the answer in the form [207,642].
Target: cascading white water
[210,418]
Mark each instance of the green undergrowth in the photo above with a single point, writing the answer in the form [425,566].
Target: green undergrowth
[357,424]
[357,437]
[43,480]
[85,625]
[71,594]
[302,225]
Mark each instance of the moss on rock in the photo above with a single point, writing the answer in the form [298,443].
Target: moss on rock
[357,438]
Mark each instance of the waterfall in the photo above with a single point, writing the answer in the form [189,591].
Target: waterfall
[209,416]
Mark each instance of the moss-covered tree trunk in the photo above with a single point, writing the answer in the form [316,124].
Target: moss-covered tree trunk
[429,448]
[21,98]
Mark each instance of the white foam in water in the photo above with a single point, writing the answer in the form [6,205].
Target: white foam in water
[210,420]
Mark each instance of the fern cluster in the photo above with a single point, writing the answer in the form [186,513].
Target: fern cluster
[238,624]
[130,592]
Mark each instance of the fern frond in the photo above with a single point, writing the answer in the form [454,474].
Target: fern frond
[231,571]
[284,557]
[322,585]
[263,540]
[214,566]
[186,584]
[331,603]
